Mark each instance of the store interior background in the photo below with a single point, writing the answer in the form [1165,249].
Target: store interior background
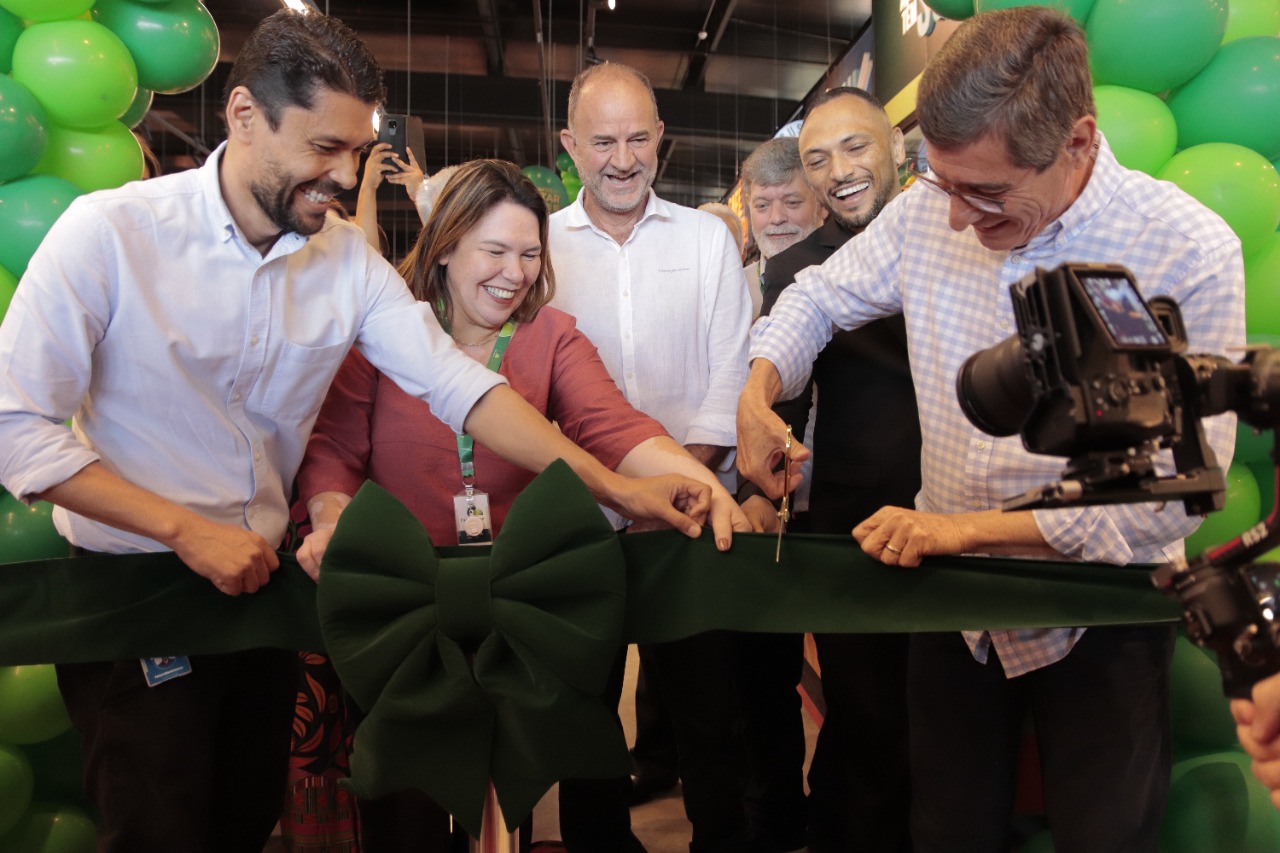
[491,78]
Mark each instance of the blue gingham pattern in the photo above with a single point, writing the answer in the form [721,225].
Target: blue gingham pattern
[954,294]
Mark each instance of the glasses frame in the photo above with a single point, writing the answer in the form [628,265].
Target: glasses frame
[980,203]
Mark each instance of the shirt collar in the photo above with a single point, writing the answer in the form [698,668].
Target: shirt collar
[1104,183]
[576,214]
[220,215]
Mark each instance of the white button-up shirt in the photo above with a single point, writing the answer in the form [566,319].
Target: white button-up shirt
[954,295]
[193,365]
[667,309]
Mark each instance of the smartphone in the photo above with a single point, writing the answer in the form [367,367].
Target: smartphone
[404,132]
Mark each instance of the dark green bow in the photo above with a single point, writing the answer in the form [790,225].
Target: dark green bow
[478,668]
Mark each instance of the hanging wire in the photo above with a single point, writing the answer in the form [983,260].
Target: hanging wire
[830,59]
[447,159]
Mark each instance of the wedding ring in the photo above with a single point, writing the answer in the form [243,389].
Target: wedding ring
[892,549]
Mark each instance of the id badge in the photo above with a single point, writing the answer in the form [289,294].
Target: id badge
[471,518]
[159,670]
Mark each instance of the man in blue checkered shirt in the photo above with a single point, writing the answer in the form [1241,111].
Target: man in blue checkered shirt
[1020,178]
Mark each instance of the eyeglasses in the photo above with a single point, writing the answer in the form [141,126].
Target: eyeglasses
[784,510]
[983,203]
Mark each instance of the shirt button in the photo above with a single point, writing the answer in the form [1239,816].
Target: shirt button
[975,504]
[1017,259]
[626,336]
[1004,324]
[253,341]
[235,398]
[980,444]
[631,374]
[626,293]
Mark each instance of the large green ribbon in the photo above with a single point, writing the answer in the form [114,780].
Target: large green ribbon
[484,667]
[479,663]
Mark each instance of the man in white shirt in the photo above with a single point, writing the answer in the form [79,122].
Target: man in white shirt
[659,289]
[191,325]
[781,207]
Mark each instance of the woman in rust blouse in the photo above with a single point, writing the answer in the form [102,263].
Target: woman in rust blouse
[481,262]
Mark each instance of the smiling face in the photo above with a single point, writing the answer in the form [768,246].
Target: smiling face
[489,272]
[782,214]
[851,156]
[613,139]
[1032,200]
[293,171]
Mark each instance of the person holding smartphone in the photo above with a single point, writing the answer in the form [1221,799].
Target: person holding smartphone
[383,164]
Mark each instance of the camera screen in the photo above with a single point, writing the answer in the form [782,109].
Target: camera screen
[1123,312]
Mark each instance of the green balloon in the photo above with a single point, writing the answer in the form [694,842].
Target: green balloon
[572,186]
[27,533]
[1264,474]
[79,71]
[563,161]
[1139,127]
[10,28]
[22,130]
[16,785]
[1242,511]
[51,828]
[1236,98]
[138,109]
[1201,713]
[175,44]
[1252,18]
[1262,289]
[1253,446]
[956,10]
[28,208]
[1235,182]
[93,159]
[1215,804]
[47,10]
[1153,45]
[549,186]
[1077,9]
[58,767]
[31,708]
[8,286]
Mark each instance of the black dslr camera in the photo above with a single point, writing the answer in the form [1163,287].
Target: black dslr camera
[1101,376]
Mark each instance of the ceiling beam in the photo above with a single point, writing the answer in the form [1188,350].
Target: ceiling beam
[707,42]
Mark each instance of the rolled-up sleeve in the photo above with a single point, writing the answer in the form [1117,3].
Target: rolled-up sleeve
[58,314]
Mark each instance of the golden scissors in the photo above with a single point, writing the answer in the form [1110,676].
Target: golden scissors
[784,510]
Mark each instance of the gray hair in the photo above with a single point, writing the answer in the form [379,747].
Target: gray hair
[605,68]
[1021,74]
[774,163]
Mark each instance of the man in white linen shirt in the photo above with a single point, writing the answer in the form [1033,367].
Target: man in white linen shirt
[192,324]
[1020,177]
[659,290]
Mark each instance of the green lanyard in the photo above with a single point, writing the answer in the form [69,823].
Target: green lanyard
[466,444]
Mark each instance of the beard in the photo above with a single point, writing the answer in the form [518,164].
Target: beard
[859,221]
[275,197]
[772,244]
[595,184]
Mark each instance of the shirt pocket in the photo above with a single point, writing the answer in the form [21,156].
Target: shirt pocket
[300,380]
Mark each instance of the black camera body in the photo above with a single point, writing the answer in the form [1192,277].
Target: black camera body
[1096,360]
[1099,375]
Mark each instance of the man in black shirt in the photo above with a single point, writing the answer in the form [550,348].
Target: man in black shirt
[866,451]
